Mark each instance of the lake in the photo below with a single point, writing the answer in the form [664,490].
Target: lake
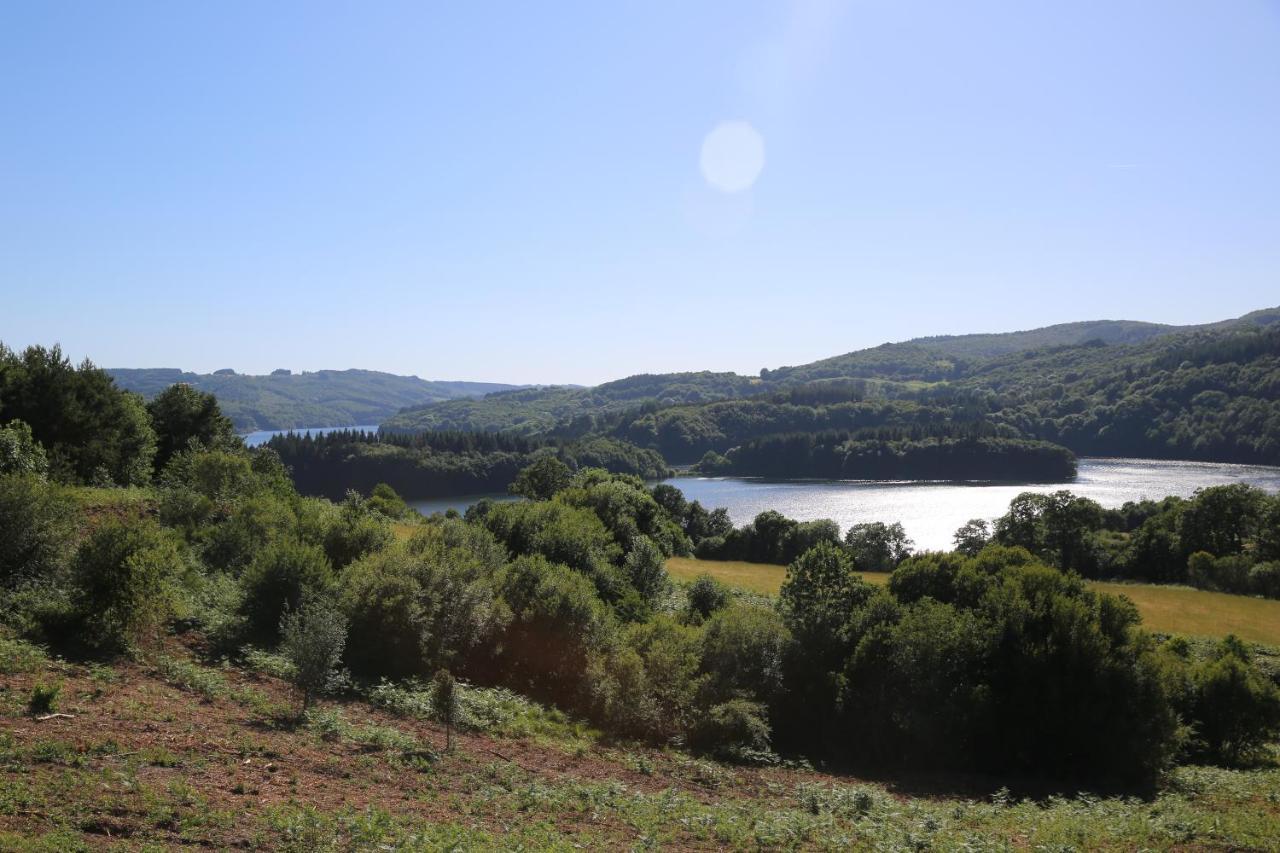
[262,436]
[931,511]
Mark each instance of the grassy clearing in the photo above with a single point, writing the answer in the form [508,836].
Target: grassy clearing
[1169,609]
[1183,610]
[763,578]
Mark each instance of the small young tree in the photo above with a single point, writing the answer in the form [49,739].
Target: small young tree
[313,637]
[444,698]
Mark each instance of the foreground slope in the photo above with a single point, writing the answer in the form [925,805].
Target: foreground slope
[173,752]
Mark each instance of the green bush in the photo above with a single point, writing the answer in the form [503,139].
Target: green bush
[733,730]
[311,639]
[126,579]
[428,605]
[1233,709]
[278,579]
[558,621]
[20,453]
[357,531]
[36,530]
[706,595]
[43,699]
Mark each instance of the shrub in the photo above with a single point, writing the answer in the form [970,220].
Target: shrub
[20,453]
[732,730]
[706,595]
[444,699]
[558,620]
[35,530]
[312,638]
[427,605]
[125,579]
[44,698]
[646,569]
[1234,711]
[357,531]
[541,480]
[278,579]
[743,648]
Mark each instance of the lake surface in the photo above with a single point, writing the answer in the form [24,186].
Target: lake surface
[931,511]
[262,436]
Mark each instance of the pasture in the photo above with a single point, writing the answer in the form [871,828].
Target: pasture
[1168,609]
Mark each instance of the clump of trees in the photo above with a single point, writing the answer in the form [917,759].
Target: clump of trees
[1224,538]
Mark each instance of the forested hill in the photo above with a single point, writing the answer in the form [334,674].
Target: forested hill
[284,400]
[939,358]
[1106,387]
[531,411]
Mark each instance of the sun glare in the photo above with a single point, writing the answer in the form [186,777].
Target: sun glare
[732,156]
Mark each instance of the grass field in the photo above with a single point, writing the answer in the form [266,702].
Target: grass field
[1170,609]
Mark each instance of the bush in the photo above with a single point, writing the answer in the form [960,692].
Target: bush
[36,527]
[733,730]
[743,648]
[429,605]
[312,638]
[706,595]
[357,531]
[20,453]
[1234,711]
[125,578]
[647,570]
[278,579]
[44,698]
[877,547]
[558,621]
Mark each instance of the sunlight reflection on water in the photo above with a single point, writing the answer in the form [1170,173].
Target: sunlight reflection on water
[931,511]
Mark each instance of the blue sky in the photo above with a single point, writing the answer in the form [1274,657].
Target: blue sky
[514,192]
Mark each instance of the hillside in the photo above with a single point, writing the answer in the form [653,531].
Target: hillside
[537,410]
[174,751]
[1209,392]
[286,400]
[922,360]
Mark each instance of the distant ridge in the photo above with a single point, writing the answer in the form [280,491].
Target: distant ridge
[286,400]
[940,358]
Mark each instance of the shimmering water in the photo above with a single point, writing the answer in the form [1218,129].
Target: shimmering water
[931,511]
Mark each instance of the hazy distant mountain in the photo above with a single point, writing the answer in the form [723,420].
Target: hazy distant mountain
[284,400]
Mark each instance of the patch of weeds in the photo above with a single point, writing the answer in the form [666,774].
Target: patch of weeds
[158,756]
[207,682]
[20,656]
[639,762]
[328,723]
[701,772]
[494,711]
[103,674]
[44,698]
[268,663]
[15,796]
[56,752]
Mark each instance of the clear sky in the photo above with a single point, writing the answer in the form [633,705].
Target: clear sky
[554,192]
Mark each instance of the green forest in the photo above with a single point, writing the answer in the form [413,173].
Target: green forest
[1104,389]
